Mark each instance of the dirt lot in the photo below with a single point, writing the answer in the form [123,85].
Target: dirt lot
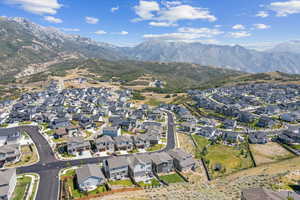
[270,152]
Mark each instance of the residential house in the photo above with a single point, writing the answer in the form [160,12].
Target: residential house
[105,143]
[9,136]
[141,141]
[77,145]
[59,123]
[116,168]
[140,167]
[162,162]
[182,160]
[10,153]
[8,182]
[89,177]
[258,138]
[266,122]
[123,143]
[261,194]
[112,131]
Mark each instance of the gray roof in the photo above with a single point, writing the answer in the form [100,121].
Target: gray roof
[88,171]
[259,194]
[179,154]
[159,158]
[5,177]
[117,162]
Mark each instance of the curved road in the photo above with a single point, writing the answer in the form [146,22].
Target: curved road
[48,167]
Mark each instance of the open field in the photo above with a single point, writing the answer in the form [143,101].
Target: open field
[186,143]
[230,159]
[270,152]
[201,141]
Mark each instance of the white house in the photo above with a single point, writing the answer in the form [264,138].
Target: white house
[89,177]
[111,131]
[140,167]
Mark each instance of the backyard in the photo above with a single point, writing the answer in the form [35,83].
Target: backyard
[171,178]
[223,159]
[270,152]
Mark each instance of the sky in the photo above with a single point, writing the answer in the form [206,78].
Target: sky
[258,23]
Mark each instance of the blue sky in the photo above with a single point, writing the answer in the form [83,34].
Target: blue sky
[128,22]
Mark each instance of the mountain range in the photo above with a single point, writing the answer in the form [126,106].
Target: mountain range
[27,48]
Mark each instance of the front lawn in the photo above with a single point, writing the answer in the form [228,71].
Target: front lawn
[156,147]
[171,178]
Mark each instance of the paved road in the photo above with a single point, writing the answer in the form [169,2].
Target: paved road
[48,167]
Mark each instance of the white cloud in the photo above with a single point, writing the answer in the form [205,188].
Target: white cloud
[285,8]
[53,20]
[187,34]
[262,14]
[171,12]
[114,9]
[70,29]
[37,6]
[261,26]
[171,3]
[123,33]
[201,32]
[239,27]
[100,32]
[162,24]
[240,34]
[185,12]
[145,9]
[91,20]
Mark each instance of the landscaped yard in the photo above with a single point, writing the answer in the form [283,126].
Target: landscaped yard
[72,187]
[126,183]
[270,152]
[223,159]
[171,178]
[29,156]
[156,147]
[153,183]
[22,184]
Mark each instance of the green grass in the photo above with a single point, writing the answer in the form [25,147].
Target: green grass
[295,146]
[171,178]
[229,157]
[127,132]
[76,193]
[22,184]
[153,183]
[156,147]
[201,141]
[153,102]
[126,182]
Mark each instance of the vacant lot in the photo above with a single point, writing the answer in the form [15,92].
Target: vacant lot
[224,159]
[201,141]
[270,152]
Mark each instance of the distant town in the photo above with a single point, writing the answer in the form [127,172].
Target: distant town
[92,142]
